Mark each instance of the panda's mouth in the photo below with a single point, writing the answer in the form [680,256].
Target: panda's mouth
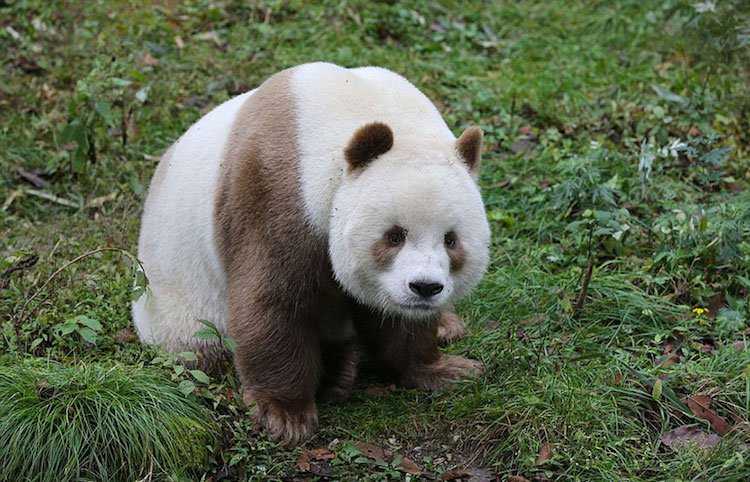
[418,306]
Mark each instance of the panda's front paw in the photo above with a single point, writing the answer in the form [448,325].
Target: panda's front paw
[450,327]
[289,422]
[442,373]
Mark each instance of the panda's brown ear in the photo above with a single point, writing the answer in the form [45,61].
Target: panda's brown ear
[469,147]
[370,141]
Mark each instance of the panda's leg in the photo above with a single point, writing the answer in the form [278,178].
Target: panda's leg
[277,358]
[339,370]
[407,352]
[450,327]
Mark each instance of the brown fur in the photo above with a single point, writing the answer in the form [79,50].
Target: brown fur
[457,256]
[450,327]
[265,244]
[368,142]
[383,252]
[407,352]
[469,146]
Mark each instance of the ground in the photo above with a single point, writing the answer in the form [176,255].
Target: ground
[613,320]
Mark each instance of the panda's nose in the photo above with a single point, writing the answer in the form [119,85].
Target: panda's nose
[425,290]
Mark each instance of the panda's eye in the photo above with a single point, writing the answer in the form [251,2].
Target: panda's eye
[450,240]
[396,236]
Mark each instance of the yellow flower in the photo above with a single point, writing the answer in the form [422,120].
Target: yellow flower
[700,311]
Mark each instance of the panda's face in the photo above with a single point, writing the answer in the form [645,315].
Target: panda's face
[409,236]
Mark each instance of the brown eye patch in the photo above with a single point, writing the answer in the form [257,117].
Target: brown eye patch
[386,248]
[455,250]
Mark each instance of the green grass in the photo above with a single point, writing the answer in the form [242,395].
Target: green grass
[571,96]
[91,422]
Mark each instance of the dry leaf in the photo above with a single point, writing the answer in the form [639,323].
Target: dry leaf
[545,453]
[149,59]
[492,325]
[685,436]
[669,359]
[497,184]
[316,461]
[379,454]
[98,202]
[455,475]
[410,467]
[517,478]
[700,405]
[125,335]
[374,452]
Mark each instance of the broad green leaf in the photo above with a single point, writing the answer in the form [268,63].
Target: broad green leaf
[89,322]
[189,356]
[200,376]
[88,334]
[186,386]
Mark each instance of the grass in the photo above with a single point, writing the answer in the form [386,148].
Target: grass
[90,422]
[572,96]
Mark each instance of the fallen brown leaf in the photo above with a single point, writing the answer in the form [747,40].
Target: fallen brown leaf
[374,452]
[524,130]
[410,467]
[685,436]
[700,405]
[492,325]
[517,478]
[707,348]
[455,475]
[125,335]
[667,360]
[322,453]
[379,454]
[497,184]
[545,453]
[316,461]
[149,59]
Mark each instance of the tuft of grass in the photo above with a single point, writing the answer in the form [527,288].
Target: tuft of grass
[93,422]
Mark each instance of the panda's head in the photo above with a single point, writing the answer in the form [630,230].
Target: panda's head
[409,234]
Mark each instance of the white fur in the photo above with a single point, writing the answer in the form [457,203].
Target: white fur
[427,193]
[420,184]
[332,102]
[176,244]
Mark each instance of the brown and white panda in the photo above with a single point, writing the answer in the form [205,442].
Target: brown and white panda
[326,203]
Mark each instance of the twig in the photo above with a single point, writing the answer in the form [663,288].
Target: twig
[52,197]
[24,262]
[586,276]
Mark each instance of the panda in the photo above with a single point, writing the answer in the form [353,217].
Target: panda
[327,204]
